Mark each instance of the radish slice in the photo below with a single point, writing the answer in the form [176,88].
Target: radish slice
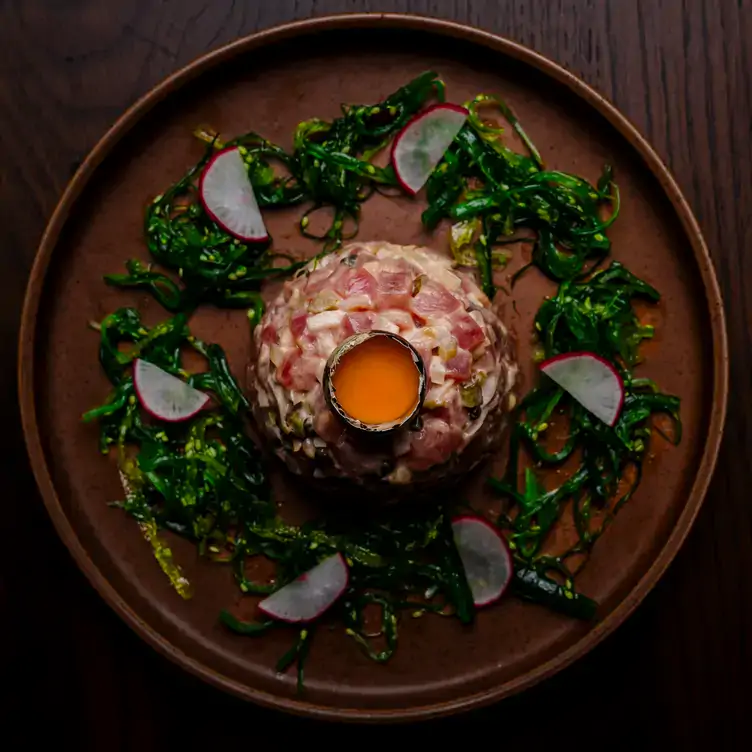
[165,396]
[227,195]
[485,558]
[421,144]
[311,594]
[591,380]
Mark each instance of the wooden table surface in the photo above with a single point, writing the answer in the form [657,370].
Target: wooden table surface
[678,672]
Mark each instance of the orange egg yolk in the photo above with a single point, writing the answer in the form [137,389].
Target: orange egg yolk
[377,381]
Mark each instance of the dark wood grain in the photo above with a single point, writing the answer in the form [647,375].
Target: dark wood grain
[678,672]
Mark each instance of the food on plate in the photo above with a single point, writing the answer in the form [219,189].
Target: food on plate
[421,144]
[485,557]
[414,293]
[228,198]
[384,367]
[310,594]
[375,382]
[165,396]
[492,195]
[591,380]
[595,317]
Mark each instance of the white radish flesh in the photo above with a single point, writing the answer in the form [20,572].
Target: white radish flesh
[591,380]
[311,594]
[227,195]
[165,396]
[485,558]
[421,144]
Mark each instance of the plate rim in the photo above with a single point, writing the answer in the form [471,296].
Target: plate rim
[440,27]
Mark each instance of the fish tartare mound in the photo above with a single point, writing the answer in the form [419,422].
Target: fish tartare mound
[411,291]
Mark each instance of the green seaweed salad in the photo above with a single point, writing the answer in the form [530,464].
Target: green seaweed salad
[205,480]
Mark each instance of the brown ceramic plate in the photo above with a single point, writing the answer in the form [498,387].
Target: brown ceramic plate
[269,82]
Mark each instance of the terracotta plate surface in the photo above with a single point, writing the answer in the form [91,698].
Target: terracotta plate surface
[269,82]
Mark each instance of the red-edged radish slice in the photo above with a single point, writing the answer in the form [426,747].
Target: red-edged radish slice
[421,144]
[591,380]
[311,594]
[485,558]
[227,195]
[165,396]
